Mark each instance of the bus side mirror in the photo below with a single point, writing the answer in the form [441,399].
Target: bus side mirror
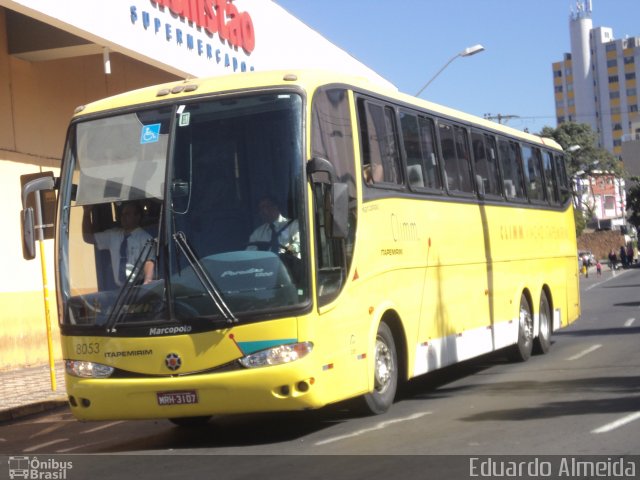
[336,199]
[28,234]
[38,210]
[339,211]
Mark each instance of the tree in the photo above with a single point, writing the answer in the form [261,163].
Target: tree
[583,158]
[581,223]
[581,153]
[633,203]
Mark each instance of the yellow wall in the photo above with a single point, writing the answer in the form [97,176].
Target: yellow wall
[37,100]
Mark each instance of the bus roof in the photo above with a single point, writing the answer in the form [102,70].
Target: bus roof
[308,79]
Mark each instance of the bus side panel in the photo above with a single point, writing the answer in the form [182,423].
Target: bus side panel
[432,272]
[532,248]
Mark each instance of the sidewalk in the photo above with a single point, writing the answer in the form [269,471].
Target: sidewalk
[27,391]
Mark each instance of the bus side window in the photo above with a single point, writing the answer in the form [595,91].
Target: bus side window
[550,180]
[533,173]
[429,153]
[464,159]
[380,153]
[509,158]
[455,154]
[447,147]
[418,138]
[485,163]
[412,149]
[332,139]
[561,175]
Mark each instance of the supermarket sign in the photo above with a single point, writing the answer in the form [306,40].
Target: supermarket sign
[214,17]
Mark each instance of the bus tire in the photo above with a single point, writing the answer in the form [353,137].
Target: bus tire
[521,351]
[190,422]
[542,342]
[385,374]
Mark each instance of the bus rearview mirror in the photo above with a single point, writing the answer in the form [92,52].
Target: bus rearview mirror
[339,210]
[28,234]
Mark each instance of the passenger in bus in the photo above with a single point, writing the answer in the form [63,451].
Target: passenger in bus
[278,233]
[373,173]
[125,243]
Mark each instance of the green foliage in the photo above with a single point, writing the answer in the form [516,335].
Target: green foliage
[581,222]
[633,204]
[588,157]
[582,156]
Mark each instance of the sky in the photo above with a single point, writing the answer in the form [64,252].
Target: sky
[408,41]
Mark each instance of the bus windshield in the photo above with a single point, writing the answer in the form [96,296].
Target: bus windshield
[189,214]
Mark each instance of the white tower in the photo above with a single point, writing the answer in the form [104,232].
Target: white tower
[580,26]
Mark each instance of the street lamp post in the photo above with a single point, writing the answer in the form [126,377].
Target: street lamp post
[467,52]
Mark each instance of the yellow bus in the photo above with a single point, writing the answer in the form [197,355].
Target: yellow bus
[286,240]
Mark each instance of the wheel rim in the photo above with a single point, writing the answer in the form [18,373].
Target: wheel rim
[526,323]
[384,366]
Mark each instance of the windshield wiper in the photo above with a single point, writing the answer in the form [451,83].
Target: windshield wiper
[127,293]
[204,278]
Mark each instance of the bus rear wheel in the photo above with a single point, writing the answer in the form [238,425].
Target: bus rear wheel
[543,340]
[521,351]
[385,373]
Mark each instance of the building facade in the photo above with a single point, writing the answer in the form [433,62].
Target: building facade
[631,150]
[58,54]
[601,197]
[596,83]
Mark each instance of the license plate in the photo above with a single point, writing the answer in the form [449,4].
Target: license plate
[177,398]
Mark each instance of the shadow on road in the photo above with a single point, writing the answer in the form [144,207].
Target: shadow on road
[598,332]
[626,389]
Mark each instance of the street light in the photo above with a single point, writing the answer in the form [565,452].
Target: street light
[467,52]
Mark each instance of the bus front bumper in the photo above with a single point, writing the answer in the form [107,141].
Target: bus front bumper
[268,389]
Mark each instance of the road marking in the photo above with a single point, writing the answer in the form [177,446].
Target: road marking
[592,348]
[84,445]
[102,427]
[604,281]
[49,429]
[617,424]
[629,322]
[378,426]
[46,444]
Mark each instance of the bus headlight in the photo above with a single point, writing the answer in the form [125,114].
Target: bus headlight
[277,355]
[82,369]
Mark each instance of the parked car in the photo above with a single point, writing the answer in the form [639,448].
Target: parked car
[588,256]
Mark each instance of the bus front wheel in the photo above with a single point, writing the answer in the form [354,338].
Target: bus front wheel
[521,351]
[385,373]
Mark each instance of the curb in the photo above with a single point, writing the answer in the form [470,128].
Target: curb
[22,411]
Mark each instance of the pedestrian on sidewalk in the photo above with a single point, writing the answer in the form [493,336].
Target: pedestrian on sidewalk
[598,268]
[613,259]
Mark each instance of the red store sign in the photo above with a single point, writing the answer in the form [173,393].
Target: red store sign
[215,16]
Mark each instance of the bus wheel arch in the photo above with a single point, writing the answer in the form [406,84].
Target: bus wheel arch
[522,349]
[542,341]
[389,364]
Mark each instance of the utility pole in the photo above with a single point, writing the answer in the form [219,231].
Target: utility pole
[499,117]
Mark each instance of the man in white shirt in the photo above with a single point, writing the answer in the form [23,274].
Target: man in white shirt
[125,243]
[278,234]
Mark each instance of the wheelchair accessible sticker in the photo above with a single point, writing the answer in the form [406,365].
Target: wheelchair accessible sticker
[150,133]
